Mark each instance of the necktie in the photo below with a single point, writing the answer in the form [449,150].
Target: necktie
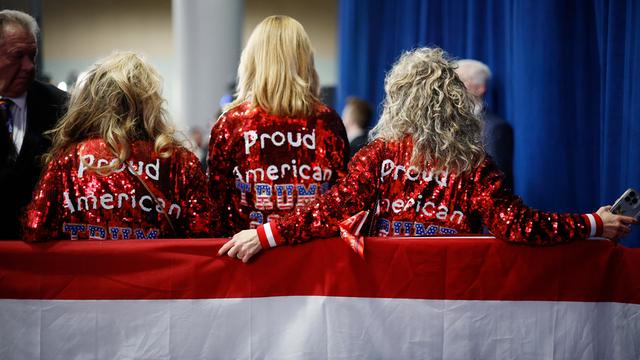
[7,146]
[6,115]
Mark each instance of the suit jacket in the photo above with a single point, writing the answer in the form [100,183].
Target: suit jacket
[498,142]
[358,143]
[18,176]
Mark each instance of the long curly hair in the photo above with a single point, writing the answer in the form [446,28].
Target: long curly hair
[426,100]
[120,102]
[277,71]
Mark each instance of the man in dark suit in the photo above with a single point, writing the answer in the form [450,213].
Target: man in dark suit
[28,108]
[357,115]
[498,134]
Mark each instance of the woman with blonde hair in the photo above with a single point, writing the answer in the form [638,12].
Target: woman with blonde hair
[426,173]
[115,169]
[276,147]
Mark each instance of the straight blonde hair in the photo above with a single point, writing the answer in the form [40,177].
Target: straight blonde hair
[119,101]
[426,100]
[276,70]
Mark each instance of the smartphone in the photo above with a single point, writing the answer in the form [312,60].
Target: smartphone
[628,204]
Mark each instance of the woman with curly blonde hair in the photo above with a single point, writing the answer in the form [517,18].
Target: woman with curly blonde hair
[426,173]
[277,146]
[115,169]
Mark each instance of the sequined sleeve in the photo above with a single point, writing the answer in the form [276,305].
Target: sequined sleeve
[42,220]
[509,219]
[221,178]
[353,193]
[195,199]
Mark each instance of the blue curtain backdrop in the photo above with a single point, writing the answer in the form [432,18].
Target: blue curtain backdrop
[566,76]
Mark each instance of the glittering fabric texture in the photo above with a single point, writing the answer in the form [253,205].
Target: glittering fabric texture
[73,201]
[425,201]
[262,166]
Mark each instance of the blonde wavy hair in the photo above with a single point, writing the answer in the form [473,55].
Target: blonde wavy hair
[118,101]
[426,100]
[276,70]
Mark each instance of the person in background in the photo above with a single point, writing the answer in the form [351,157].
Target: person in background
[427,174]
[116,169]
[497,134]
[28,108]
[199,145]
[357,115]
[276,147]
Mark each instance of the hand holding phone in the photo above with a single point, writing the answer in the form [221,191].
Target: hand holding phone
[628,204]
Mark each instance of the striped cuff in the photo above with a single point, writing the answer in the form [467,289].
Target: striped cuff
[268,235]
[594,224]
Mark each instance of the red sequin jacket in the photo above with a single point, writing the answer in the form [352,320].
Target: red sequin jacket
[72,201]
[423,202]
[262,166]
